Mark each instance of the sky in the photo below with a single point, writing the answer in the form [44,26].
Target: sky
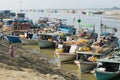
[57,4]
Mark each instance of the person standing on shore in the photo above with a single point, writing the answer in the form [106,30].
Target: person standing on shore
[1,36]
[11,51]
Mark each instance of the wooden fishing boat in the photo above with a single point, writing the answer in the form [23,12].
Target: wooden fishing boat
[107,69]
[21,23]
[101,48]
[7,27]
[86,64]
[29,41]
[67,29]
[47,40]
[13,39]
[46,44]
[66,52]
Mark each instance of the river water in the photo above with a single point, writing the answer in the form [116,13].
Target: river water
[94,19]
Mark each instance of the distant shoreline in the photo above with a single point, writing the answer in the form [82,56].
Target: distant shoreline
[116,17]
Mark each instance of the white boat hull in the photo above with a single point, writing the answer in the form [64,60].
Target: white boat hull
[85,66]
[29,41]
[65,56]
[46,44]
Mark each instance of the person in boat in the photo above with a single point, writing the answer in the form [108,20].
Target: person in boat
[81,33]
[109,38]
[101,43]
[85,31]
[26,34]
[11,51]
[18,25]
[59,38]
[15,25]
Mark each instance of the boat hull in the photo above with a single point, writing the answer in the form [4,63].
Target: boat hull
[45,44]
[29,41]
[13,39]
[85,66]
[65,56]
[102,75]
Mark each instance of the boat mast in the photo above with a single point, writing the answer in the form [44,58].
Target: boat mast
[79,20]
[74,22]
[20,5]
[101,25]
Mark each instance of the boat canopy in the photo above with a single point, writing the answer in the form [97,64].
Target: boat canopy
[7,21]
[23,20]
[87,25]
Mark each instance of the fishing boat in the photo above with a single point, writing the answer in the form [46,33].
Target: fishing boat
[67,29]
[107,69]
[45,44]
[86,61]
[13,39]
[32,39]
[47,40]
[87,12]
[21,23]
[29,41]
[87,31]
[100,48]
[83,60]
[7,26]
[65,52]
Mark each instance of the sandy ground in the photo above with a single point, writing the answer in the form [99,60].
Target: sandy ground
[6,74]
[26,74]
[28,66]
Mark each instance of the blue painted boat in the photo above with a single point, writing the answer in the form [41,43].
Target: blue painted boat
[108,69]
[13,39]
[101,75]
[67,29]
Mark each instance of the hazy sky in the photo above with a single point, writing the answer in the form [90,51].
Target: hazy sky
[54,4]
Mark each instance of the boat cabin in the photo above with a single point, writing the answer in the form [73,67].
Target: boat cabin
[48,36]
[66,48]
[109,65]
[85,56]
[20,15]
[7,22]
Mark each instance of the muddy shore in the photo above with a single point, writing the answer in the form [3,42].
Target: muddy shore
[28,66]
